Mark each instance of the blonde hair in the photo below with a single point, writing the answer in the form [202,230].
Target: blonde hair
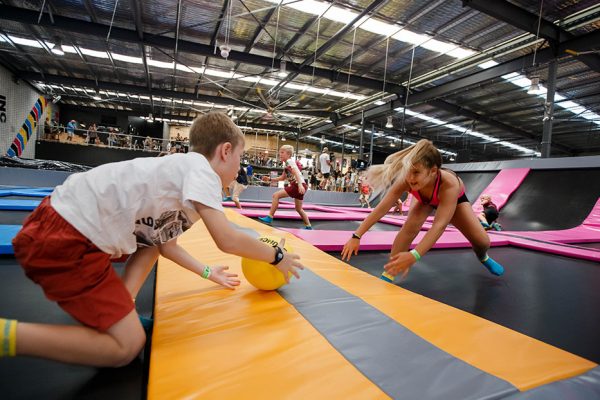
[289,148]
[210,130]
[396,165]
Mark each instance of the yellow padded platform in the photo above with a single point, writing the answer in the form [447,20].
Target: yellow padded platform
[216,343]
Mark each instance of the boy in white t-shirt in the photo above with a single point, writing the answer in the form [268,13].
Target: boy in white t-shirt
[296,188]
[136,207]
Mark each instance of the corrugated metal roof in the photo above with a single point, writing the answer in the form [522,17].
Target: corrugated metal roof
[490,105]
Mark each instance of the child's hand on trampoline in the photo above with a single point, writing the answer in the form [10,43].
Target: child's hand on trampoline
[220,275]
[400,264]
[351,247]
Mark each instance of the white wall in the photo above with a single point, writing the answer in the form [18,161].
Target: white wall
[19,98]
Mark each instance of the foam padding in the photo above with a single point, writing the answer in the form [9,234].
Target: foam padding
[18,204]
[7,233]
[214,343]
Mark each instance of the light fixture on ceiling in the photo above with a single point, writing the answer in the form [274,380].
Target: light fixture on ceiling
[282,69]
[535,85]
[389,123]
[225,50]
[97,98]
[535,78]
[56,99]
[57,49]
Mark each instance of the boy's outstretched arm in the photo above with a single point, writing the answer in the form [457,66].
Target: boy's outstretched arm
[217,274]
[232,241]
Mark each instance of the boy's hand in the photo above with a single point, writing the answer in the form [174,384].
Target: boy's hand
[289,264]
[220,275]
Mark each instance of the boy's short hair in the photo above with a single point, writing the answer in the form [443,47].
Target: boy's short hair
[288,148]
[210,130]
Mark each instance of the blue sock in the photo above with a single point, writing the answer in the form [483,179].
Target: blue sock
[492,266]
[147,323]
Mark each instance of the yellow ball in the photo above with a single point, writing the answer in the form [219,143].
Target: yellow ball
[263,275]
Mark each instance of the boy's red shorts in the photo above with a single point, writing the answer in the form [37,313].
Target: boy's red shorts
[292,190]
[71,269]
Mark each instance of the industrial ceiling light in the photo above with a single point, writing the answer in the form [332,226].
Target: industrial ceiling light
[535,85]
[225,51]
[57,49]
[389,123]
[282,69]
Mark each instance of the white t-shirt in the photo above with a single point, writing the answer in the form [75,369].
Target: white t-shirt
[290,167]
[324,163]
[138,203]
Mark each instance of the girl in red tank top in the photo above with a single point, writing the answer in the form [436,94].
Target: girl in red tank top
[418,170]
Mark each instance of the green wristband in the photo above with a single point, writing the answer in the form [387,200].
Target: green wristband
[206,272]
[415,254]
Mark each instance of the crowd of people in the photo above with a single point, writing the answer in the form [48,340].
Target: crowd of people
[93,134]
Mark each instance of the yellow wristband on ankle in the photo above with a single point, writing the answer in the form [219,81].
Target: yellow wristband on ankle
[8,337]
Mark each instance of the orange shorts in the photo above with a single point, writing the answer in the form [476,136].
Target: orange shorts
[71,270]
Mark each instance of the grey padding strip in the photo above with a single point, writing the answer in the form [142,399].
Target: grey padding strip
[399,362]
[583,387]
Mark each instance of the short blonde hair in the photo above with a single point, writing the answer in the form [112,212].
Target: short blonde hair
[210,130]
[289,148]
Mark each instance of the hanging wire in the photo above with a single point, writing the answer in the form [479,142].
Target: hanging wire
[41,11]
[112,20]
[312,79]
[351,57]
[275,39]
[228,23]
[412,59]
[537,34]
[387,46]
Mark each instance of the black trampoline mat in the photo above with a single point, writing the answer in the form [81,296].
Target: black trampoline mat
[475,183]
[13,217]
[592,245]
[552,200]
[331,225]
[551,298]
[32,378]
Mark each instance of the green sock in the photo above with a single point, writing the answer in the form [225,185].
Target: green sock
[8,337]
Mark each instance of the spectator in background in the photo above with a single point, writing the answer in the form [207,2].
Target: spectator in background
[71,125]
[112,137]
[92,133]
[237,186]
[148,143]
[365,193]
[325,163]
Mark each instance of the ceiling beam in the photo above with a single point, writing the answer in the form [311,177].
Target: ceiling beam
[133,89]
[328,44]
[523,19]
[580,43]
[127,35]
